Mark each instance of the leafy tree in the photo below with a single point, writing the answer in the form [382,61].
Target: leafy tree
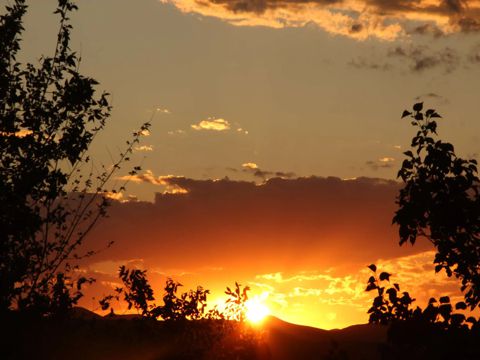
[440,202]
[138,291]
[49,115]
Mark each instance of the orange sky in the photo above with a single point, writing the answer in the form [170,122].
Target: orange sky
[274,98]
[301,244]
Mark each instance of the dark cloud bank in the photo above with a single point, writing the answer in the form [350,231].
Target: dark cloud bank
[303,223]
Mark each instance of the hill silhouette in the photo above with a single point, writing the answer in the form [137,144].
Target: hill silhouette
[86,335]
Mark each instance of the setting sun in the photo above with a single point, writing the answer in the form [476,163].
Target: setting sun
[256,311]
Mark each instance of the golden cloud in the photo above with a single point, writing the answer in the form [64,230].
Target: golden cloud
[359,19]
[163,180]
[212,124]
[250,165]
[144,148]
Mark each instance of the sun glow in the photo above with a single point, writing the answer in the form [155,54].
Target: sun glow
[256,311]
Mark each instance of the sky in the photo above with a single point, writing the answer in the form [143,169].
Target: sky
[275,141]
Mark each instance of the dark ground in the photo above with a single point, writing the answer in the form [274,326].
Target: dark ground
[89,336]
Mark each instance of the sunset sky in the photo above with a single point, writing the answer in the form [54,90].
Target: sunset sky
[276,138]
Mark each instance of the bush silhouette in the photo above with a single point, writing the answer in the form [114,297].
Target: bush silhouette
[435,332]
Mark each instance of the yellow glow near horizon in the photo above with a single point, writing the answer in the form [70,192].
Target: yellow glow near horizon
[256,311]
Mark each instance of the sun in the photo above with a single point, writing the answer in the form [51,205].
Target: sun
[256,311]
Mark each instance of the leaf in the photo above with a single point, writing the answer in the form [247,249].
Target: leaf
[471,320]
[406,113]
[372,267]
[444,300]
[460,305]
[418,106]
[371,286]
[385,276]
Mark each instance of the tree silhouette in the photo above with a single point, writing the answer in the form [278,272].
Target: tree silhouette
[440,202]
[49,115]
[236,308]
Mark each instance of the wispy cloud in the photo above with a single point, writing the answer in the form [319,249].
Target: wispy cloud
[144,148]
[385,162]
[163,110]
[422,58]
[176,132]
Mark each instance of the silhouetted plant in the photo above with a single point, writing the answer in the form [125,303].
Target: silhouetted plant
[189,306]
[390,306]
[236,303]
[440,202]
[138,294]
[137,291]
[436,332]
[49,115]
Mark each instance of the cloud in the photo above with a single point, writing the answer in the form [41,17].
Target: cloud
[382,163]
[474,55]
[300,222]
[304,241]
[431,96]
[359,19]
[426,29]
[144,148]
[422,58]
[363,63]
[176,132]
[144,132]
[163,110]
[150,178]
[250,166]
[253,169]
[212,124]
[335,292]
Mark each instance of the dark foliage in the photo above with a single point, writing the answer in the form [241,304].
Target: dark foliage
[440,201]
[391,305]
[236,302]
[436,332]
[49,115]
[137,291]
[197,334]
[189,306]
